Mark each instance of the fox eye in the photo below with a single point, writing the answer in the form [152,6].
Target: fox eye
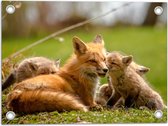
[92,60]
[42,73]
[113,63]
[104,59]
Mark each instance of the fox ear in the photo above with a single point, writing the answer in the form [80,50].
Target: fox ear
[57,63]
[98,39]
[143,69]
[79,46]
[127,60]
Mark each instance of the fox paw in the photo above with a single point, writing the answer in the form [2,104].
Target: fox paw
[96,108]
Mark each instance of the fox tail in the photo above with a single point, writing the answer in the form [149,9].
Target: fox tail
[43,100]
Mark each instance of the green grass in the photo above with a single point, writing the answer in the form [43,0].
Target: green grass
[146,44]
[94,117]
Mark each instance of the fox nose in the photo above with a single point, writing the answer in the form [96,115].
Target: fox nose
[105,70]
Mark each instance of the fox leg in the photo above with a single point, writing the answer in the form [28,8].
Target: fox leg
[43,100]
[129,101]
[120,103]
[131,98]
[113,99]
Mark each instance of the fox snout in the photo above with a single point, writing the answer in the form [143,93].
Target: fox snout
[103,70]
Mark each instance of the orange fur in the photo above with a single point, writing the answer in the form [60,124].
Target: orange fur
[73,88]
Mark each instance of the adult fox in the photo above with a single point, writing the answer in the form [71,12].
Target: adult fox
[72,88]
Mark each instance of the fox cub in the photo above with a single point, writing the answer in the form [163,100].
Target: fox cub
[105,90]
[31,67]
[130,85]
[72,88]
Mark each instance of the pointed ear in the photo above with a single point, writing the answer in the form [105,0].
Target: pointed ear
[127,60]
[98,39]
[79,46]
[57,63]
[143,69]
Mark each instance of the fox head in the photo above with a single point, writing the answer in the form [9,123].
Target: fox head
[117,62]
[91,57]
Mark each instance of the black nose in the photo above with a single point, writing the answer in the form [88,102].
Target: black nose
[105,70]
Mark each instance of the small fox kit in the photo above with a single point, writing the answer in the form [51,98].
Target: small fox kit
[31,67]
[130,85]
[105,90]
[73,88]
